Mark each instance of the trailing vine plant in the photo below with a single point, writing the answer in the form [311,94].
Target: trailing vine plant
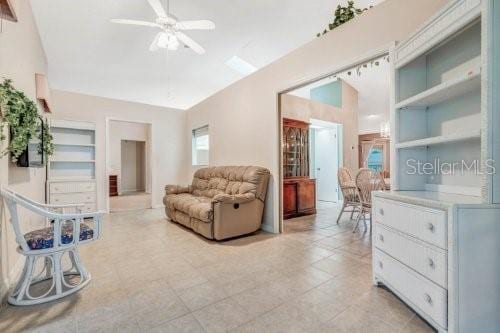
[46,145]
[343,14]
[21,114]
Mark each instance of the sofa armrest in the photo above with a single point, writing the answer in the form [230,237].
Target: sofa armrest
[176,189]
[233,199]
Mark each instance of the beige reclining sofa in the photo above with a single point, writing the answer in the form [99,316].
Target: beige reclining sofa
[222,202]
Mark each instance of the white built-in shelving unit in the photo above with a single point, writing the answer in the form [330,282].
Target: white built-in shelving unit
[437,232]
[437,112]
[71,169]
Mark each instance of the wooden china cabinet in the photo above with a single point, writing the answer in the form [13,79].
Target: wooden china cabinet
[299,190]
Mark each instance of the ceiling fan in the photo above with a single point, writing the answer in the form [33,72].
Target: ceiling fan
[171,35]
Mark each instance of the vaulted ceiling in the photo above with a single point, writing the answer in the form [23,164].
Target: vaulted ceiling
[88,54]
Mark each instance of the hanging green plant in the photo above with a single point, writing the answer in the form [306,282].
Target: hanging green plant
[46,146]
[21,114]
[343,14]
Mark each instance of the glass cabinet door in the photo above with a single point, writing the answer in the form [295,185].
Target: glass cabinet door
[295,151]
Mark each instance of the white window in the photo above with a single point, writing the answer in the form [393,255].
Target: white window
[200,146]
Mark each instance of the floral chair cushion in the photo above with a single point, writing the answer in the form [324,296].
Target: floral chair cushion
[44,238]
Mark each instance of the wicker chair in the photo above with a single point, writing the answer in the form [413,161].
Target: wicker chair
[349,192]
[63,235]
[367,181]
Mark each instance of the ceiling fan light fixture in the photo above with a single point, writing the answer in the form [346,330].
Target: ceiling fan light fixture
[168,41]
[173,45]
[170,35]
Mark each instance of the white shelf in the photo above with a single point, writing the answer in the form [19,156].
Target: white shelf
[72,124]
[434,198]
[436,140]
[455,189]
[74,144]
[69,178]
[72,161]
[444,91]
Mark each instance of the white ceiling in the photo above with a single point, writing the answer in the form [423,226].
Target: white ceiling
[88,54]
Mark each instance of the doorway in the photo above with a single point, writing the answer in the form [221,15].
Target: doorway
[129,165]
[326,157]
[337,110]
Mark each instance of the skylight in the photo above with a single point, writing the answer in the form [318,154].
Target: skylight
[241,66]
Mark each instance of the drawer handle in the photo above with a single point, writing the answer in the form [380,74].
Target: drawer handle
[431,227]
[428,299]
[381,237]
[381,211]
[381,265]
[431,263]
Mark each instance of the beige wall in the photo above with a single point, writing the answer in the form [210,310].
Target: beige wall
[304,109]
[125,130]
[243,117]
[169,152]
[21,56]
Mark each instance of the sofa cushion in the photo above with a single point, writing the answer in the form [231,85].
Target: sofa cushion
[209,187]
[231,180]
[195,206]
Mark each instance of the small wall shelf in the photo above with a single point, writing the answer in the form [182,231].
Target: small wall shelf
[444,91]
[437,140]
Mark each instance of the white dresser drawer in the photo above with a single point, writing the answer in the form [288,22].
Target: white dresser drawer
[88,208]
[421,222]
[424,294]
[71,187]
[72,198]
[428,261]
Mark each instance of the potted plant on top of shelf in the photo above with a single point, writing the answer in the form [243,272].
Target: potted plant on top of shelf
[342,15]
[25,126]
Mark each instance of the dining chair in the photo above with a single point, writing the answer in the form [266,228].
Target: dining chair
[349,193]
[367,181]
[50,244]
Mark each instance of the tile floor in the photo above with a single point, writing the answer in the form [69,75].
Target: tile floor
[150,275]
[130,201]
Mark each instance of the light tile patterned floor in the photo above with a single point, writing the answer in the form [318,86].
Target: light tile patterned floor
[150,275]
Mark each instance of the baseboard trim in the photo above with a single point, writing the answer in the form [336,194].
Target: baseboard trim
[268,228]
[158,206]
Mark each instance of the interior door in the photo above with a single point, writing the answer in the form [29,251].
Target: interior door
[327,163]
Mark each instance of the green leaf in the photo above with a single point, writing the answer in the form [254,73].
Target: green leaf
[21,114]
[343,14]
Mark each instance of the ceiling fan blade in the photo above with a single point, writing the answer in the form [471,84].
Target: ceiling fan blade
[195,25]
[158,8]
[154,45]
[135,22]
[190,43]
